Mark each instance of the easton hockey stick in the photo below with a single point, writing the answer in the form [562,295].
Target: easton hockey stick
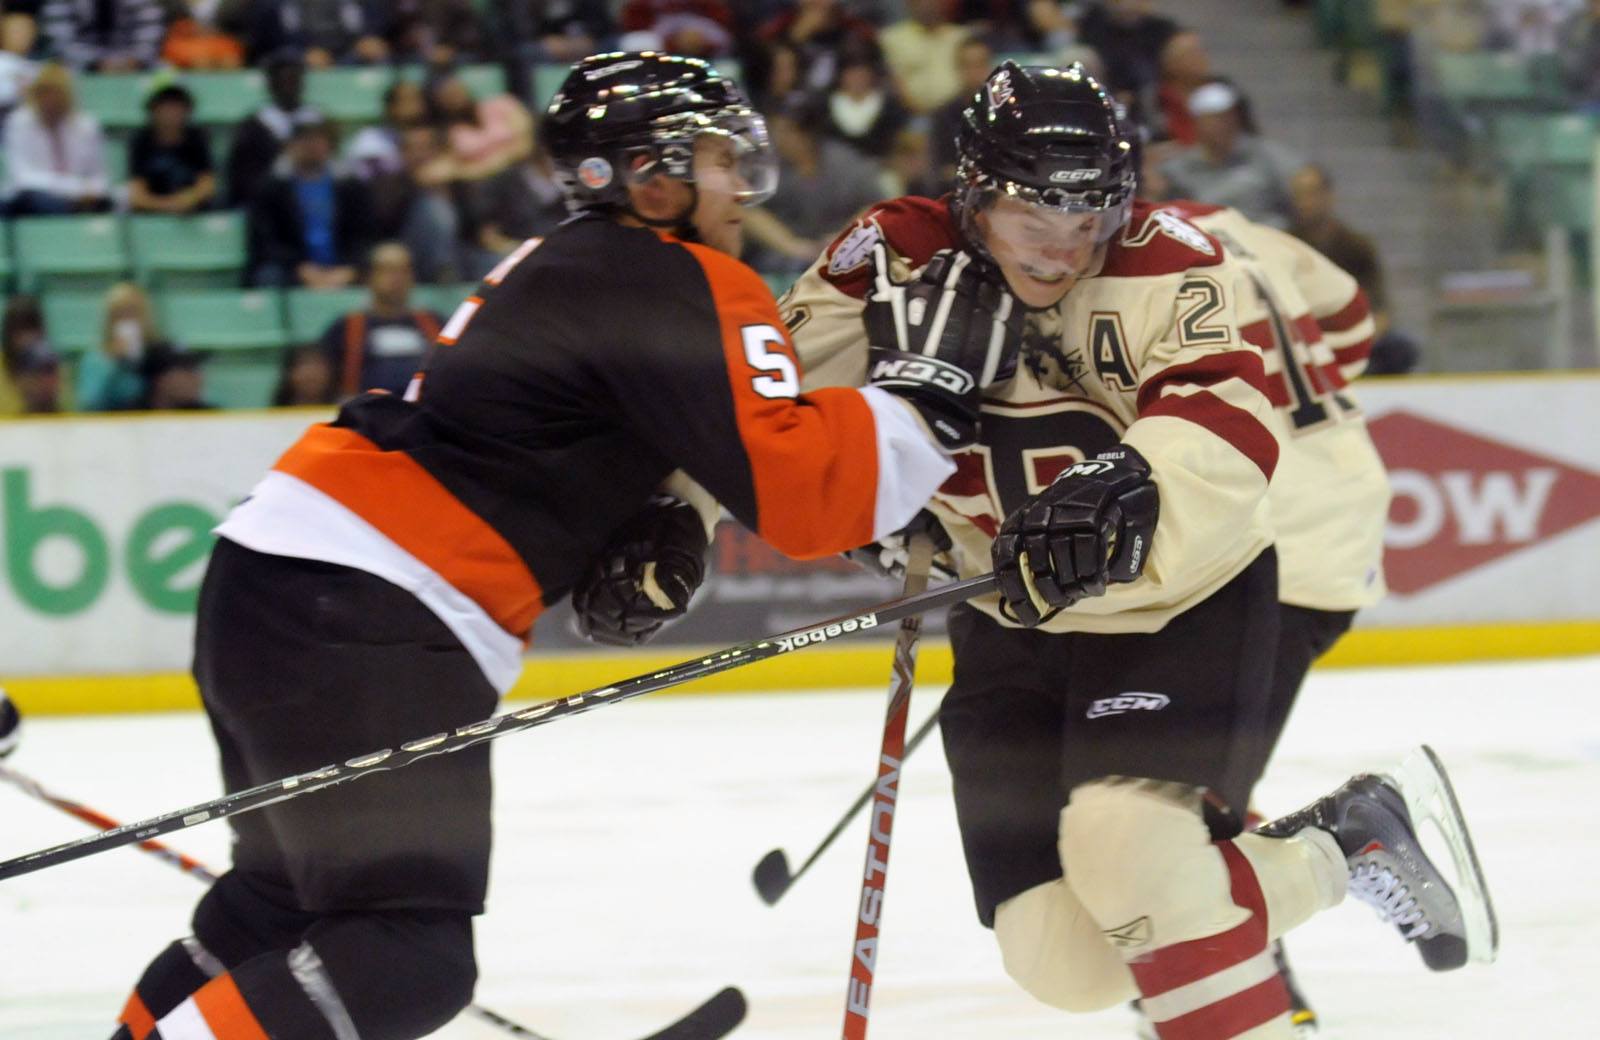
[869,909]
[497,726]
[712,1020]
[772,875]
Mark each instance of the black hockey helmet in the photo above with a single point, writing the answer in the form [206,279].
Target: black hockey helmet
[621,118]
[1048,137]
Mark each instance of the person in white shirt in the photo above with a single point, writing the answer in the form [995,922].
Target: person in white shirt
[55,155]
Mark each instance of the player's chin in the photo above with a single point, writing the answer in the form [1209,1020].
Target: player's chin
[1040,290]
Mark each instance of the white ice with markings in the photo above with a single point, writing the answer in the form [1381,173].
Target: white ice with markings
[622,897]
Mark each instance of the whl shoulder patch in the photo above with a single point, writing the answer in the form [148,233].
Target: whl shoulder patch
[856,248]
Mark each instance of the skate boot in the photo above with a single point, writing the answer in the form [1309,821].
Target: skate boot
[10,724]
[1376,821]
[1301,1016]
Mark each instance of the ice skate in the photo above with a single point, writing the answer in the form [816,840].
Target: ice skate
[1377,820]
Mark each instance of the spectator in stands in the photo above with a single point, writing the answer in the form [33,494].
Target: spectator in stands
[375,150]
[111,378]
[174,379]
[699,28]
[260,139]
[523,202]
[309,224]
[36,376]
[1185,68]
[169,159]
[817,30]
[1128,36]
[1315,224]
[1529,27]
[1230,164]
[105,35]
[483,136]
[863,110]
[197,39]
[822,186]
[920,50]
[382,347]
[436,32]
[306,379]
[558,31]
[423,207]
[18,33]
[55,155]
[974,61]
[909,168]
[1580,55]
[21,331]
[327,31]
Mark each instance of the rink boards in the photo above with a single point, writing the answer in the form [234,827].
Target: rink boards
[1493,550]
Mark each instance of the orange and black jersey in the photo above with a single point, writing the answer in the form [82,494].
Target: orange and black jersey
[585,370]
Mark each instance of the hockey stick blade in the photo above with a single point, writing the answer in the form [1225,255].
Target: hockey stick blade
[498,726]
[712,1020]
[772,877]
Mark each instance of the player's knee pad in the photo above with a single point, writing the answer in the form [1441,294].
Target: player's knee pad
[1140,857]
[1054,950]
[398,974]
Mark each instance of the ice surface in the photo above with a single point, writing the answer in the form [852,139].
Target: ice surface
[621,893]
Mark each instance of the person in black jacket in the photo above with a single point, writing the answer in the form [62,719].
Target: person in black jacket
[260,138]
[309,224]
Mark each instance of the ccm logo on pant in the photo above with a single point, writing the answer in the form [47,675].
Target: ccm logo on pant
[1127,702]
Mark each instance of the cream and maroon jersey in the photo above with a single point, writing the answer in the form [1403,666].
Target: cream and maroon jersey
[1330,495]
[1146,350]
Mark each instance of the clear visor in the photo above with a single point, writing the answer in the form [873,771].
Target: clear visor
[734,156]
[1046,242]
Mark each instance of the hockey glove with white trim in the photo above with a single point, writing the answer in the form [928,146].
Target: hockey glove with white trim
[645,577]
[10,725]
[889,555]
[1091,527]
[940,339]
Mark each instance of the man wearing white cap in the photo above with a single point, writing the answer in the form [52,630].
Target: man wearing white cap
[1229,165]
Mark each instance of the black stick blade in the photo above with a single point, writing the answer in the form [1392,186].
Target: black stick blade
[714,1019]
[772,877]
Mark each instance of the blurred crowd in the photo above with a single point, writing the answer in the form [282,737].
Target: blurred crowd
[863,99]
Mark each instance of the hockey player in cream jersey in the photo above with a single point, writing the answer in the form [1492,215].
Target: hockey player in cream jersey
[1120,490]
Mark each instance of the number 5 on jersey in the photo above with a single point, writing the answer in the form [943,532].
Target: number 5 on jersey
[780,377]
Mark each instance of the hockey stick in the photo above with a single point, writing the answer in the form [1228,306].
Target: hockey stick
[713,1019]
[495,727]
[772,876]
[875,874]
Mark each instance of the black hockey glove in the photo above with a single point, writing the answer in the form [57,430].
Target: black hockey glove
[889,555]
[1091,527]
[645,577]
[10,725]
[941,338]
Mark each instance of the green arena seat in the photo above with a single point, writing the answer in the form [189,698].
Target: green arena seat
[349,95]
[484,80]
[443,299]
[1482,78]
[74,320]
[201,251]
[117,99]
[7,268]
[226,98]
[311,311]
[225,319]
[236,382]
[69,252]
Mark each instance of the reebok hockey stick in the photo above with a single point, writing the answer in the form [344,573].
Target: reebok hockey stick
[869,909]
[497,726]
[772,876]
[712,1020]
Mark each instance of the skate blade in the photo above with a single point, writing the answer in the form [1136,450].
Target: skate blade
[1429,797]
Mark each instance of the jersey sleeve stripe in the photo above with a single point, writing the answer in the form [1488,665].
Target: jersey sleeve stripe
[1238,427]
[1348,316]
[407,504]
